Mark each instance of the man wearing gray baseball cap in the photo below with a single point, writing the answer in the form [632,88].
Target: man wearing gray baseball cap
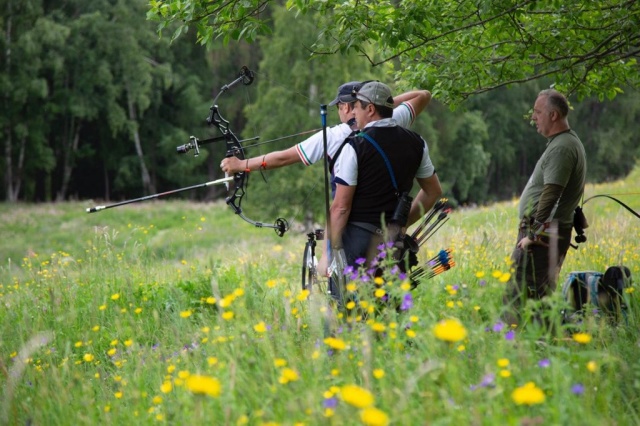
[374,174]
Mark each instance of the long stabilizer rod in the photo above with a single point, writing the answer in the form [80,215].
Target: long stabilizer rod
[162,194]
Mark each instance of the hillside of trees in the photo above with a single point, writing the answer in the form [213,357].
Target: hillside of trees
[95,103]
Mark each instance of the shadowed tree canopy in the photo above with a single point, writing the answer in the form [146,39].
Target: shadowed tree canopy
[458,48]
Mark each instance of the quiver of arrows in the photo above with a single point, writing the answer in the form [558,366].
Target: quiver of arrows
[441,262]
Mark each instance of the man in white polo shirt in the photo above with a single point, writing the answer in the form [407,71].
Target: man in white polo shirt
[376,166]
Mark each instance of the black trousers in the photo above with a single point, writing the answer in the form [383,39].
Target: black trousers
[536,270]
[358,243]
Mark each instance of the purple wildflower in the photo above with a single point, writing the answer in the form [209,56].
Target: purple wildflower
[498,327]
[577,389]
[330,403]
[488,381]
[544,363]
[360,261]
[510,335]
[407,302]
[402,276]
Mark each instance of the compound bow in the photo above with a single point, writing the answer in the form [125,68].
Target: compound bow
[234,148]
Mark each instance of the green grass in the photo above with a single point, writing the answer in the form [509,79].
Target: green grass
[104,317]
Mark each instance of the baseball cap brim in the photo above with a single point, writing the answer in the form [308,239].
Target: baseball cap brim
[342,98]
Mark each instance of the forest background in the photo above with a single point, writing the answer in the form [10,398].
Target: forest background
[95,104]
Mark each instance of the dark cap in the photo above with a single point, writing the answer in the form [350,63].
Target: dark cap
[375,93]
[344,92]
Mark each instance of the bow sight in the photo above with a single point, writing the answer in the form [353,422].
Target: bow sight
[234,148]
[194,143]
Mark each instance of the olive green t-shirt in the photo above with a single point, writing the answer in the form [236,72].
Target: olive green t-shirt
[563,163]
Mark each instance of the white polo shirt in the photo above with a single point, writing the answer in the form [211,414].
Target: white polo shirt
[311,150]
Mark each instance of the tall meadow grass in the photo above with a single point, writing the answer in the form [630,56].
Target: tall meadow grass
[179,313]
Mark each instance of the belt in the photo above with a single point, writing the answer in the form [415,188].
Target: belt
[368,227]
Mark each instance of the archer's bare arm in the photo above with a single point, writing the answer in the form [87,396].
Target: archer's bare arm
[430,192]
[273,160]
[419,99]
[339,213]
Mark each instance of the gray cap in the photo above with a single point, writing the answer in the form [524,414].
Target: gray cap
[375,93]
[344,93]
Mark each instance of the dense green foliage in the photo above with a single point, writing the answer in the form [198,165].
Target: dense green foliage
[459,48]
[95,103]
[106,317]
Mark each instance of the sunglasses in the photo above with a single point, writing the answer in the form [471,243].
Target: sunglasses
[356,90]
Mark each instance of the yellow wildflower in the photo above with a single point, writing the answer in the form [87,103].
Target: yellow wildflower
[583,338]
[528,394]
[204,385]
[335,343]
[374,417]
[378,327]
[356,396]
[288,375]
[166,387]
[450,330]
[260,327]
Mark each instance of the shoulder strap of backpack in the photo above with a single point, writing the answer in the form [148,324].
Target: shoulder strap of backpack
[332,161]
[384,157]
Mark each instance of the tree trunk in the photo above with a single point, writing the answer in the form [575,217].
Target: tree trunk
[8,140]
[8,173]
[67,165]
[19,168]
[147,185]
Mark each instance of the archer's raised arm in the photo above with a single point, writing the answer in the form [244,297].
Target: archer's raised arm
[418,99]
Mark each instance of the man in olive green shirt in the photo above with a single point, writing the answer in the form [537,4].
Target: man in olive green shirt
[547,206]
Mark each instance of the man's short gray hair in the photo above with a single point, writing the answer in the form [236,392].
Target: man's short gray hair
[556,101]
